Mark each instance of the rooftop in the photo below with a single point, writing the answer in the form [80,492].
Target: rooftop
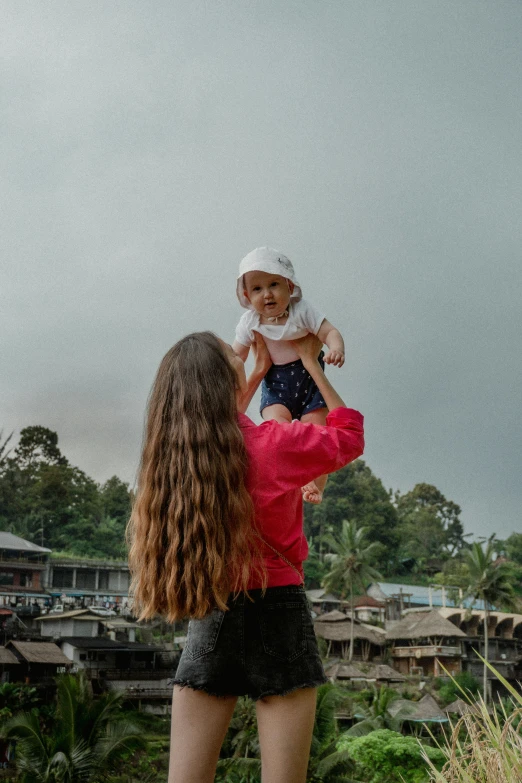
[424,711]
[423,625]
[433,595]
[6,656]
[17,544]
[87,643]
[40,652]
[339,629]
[78,614]
[364,671]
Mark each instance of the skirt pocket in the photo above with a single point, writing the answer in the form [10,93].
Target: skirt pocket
[203,634]
[283,630]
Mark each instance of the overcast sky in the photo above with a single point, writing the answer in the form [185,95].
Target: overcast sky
[147,146]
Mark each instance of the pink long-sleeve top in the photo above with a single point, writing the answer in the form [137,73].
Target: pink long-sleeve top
[282,458]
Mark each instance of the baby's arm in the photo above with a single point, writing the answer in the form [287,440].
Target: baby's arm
[241,350]
[332,337]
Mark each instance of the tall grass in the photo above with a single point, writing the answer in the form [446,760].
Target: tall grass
[484,746]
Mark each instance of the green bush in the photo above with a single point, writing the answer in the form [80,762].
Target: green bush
[386,756]
[452,690]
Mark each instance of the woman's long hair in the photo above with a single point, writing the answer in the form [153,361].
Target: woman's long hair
[192,530]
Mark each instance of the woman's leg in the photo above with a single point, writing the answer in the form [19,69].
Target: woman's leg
[198,728]
[285,725]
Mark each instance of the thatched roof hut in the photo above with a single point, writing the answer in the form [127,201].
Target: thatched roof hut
[423,625]
[335,628]
[424,711]
[378,673]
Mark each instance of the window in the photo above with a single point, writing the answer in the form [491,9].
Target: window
[26,579]
[103,580]
[83,656]
[6,578]
[62,577]
[85,578]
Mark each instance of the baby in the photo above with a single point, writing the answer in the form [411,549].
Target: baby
[268,289]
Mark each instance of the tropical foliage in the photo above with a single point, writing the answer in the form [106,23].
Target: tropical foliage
[373,712]
[86,740]
[485,746]
[385,756]
[489,581]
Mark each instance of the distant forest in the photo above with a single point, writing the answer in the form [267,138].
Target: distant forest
[418,535]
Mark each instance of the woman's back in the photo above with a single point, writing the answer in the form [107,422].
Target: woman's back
[283,457]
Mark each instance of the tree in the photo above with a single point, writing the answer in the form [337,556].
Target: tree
[88,738]
[354,492]
[36,445]
[327,762]
[351,566]
[375,714]
[489,581]
[429,526]
[513,548]
[4,448]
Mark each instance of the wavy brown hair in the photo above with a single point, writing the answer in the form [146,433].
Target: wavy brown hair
[192,536]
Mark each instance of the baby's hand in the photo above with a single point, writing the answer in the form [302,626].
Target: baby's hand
[334,357]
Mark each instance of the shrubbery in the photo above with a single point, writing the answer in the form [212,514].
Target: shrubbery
[386,756]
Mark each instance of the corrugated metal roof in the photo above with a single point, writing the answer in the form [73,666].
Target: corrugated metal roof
[419,595]
[10,541]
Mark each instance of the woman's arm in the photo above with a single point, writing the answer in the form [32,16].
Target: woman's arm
[262,363]
[308,349]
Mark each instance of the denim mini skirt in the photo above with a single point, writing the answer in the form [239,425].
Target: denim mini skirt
[264,645]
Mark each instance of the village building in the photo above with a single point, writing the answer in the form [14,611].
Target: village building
[23,566]
[367,609]
[84,582]
[399,598]
[425,644]
[40,662]
[364,674]
[7,661]
[77,622]
[141,671]
[504,642]
[322,602]
[335,628]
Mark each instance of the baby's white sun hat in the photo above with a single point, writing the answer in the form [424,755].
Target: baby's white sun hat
[266,259]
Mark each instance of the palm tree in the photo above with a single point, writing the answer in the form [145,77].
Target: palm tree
[375,714]
[488,580]
[88,737]
[351,566]
[326,763]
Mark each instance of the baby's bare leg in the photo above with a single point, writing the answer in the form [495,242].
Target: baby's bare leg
[313,491]
[278,413]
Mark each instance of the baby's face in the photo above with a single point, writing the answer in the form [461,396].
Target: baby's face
[269,295]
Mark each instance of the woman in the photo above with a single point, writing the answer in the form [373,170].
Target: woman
[217,535]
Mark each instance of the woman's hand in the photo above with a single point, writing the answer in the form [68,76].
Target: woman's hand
[262,360]
[308,348]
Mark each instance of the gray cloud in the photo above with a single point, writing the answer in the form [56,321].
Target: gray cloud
[147,147]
